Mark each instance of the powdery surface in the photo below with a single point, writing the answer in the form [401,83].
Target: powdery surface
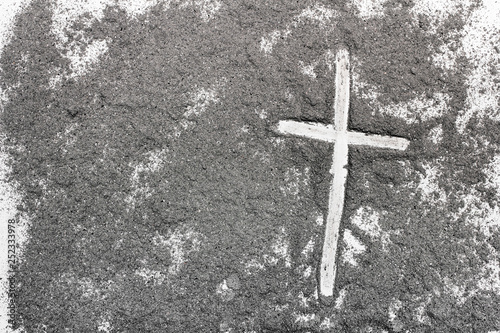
[317,14]
[8,201]
[480,44]
[418,109]
[74,42]
[367,9]
[158,118]
[9,198]
[353,248]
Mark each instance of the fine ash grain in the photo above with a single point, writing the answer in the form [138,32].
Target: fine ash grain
[132,102]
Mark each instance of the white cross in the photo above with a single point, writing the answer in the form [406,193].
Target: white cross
[342,138]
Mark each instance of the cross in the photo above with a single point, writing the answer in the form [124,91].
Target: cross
[339,134]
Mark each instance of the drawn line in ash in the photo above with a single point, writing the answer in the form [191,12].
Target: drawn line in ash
[342,137]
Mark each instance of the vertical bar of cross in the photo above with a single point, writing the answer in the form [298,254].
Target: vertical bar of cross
[328,267]
[342,82]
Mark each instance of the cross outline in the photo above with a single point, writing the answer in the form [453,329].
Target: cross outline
[342,137]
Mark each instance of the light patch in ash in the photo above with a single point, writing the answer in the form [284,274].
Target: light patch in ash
[368,9]
[473,211]
[367,220]
[307,272]
[420,108]
[438,11]
[139,7]
[487,279]
[493,174]
[308,70]
[82,61]
[225,292]
[429,186]
[207,8]
[304,319]
[484,217]
[326,324]
[200,101]
[151,275]
[295,181]
[394,308]
[267,43]
[89,289]
[181,243]
[308,249]
[319,220]
[420,314]
[490,277]
[68,138]
[140,188]
[339,301]
[9,10]
[281,250]
[262,113]
[352,248]
[486,221]
[105,326]
[436,134]
[478,43]
[481,45]
[304,301]
[253,266]
[319,14]
[83,51]
[478,213]
[305,256]
[228,288]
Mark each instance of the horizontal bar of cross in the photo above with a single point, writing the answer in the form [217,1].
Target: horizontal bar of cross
[327,133]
